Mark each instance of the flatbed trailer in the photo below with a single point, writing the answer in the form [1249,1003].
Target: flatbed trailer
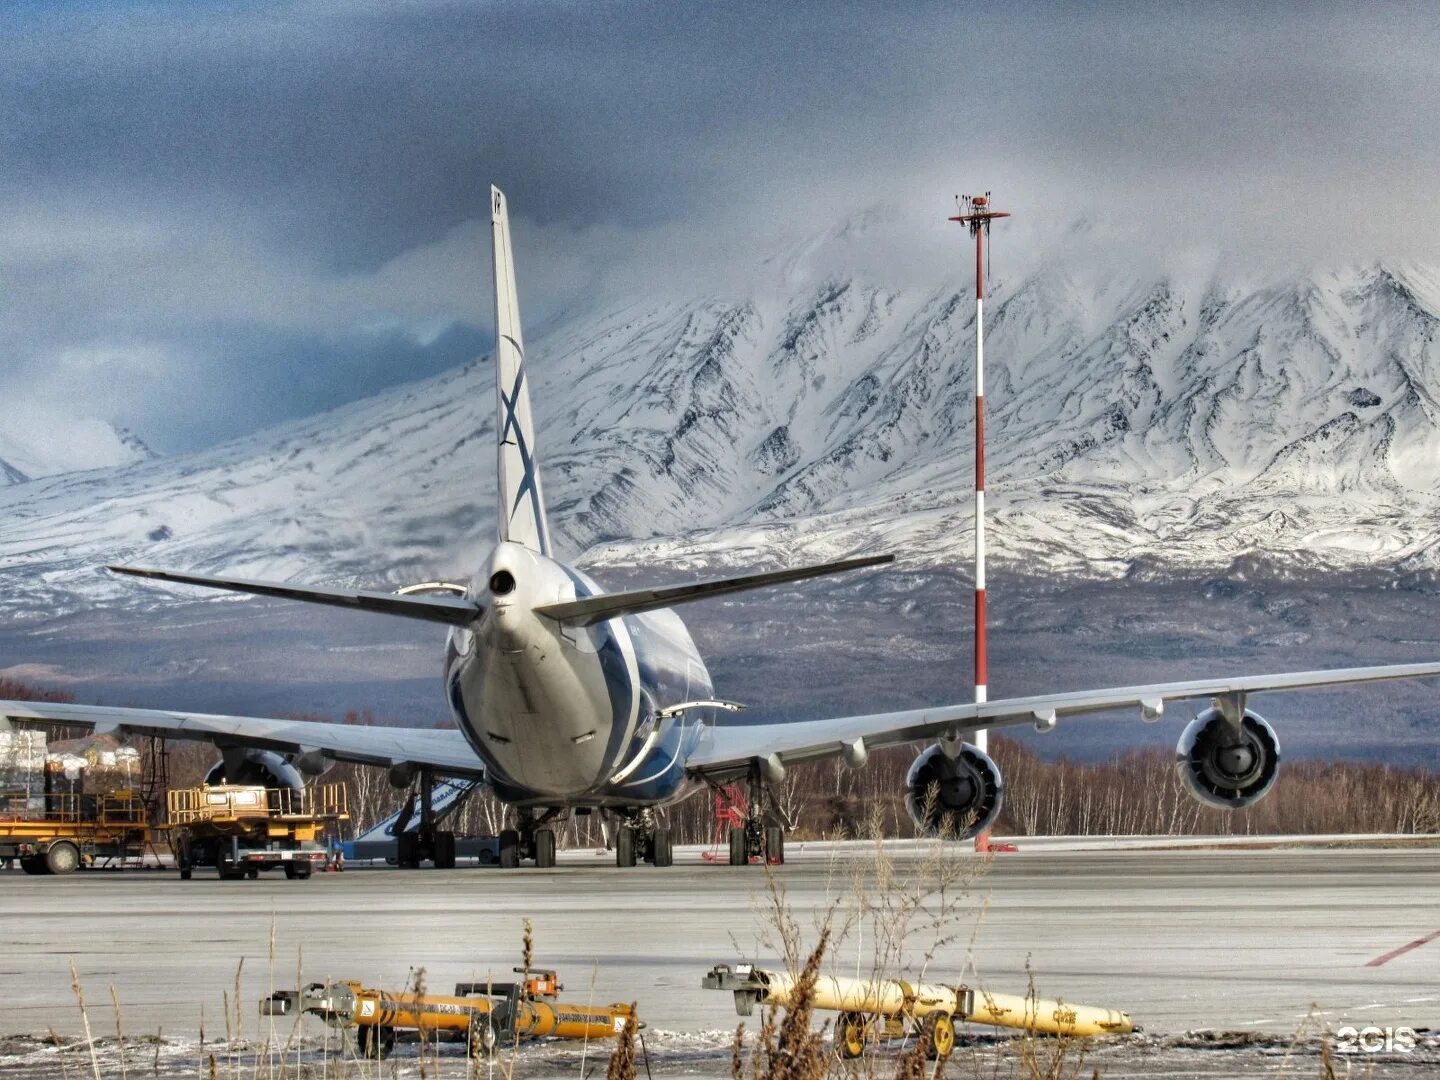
[76,830]
[242,829]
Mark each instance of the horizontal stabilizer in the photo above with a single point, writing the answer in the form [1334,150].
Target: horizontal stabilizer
[592,609]
[451,610]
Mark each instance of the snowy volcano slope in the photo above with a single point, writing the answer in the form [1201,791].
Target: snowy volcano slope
[1138,423]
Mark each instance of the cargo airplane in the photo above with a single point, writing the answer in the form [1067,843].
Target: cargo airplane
[568,699]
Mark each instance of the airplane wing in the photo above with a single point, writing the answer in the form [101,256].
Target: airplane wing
[446,752]
[729,750]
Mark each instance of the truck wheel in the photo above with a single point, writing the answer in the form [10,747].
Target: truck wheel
[774,844]
[291,871]
[544,848]
[738,855]
[509,849]
[625,846]
[186,873]
[660,849]
[304,870]
[444,854]
[62,858]
[33,864]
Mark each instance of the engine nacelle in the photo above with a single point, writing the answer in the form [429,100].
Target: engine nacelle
[958,796]
[255,767]
[1225,767]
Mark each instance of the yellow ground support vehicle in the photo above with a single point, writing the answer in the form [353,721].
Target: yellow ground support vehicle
[242,829]
[75,830]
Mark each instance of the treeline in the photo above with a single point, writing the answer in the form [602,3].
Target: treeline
[1138,792]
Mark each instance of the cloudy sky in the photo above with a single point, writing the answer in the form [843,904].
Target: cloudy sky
[217,216]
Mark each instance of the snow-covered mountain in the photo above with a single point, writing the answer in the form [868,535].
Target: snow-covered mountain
[1138,422]
[38,443]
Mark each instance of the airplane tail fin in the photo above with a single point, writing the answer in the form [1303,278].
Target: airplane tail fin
[521,508]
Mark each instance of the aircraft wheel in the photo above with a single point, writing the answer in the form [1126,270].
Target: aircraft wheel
[544,848]
[660,848]
[407,851]
[850,1036]
[942,1038]
[625,846]
[62,858]
[774,844]
[444,854]
[738,855]
[509,849]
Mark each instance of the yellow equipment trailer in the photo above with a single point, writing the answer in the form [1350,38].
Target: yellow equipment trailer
[891,1008]
[73,830]
[244,829]
[487,1016]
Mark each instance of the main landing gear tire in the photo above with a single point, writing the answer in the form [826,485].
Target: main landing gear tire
[443,857]
[407,851]
[509,849]
[661,853]
[774,844]
[625,846]
[544,848]
[738,856]
[374,1043]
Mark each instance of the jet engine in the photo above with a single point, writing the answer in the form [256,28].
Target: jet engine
[958,796]
[1225,767]
[259,767]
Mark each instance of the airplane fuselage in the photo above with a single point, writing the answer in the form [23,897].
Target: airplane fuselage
[566,715]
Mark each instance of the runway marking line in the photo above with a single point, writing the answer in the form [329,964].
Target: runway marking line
[1403,949]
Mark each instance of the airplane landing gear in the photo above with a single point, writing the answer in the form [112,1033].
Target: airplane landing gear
[762,833]
[640,838]
[531,839]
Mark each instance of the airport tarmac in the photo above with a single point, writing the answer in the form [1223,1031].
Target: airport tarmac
[1184,939]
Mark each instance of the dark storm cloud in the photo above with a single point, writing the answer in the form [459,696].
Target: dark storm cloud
[194,190]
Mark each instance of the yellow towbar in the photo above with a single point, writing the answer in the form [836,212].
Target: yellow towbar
[488,1016]
[889,1008]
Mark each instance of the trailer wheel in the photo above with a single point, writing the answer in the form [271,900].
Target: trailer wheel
[482,1042]
[186,873]
[62,857]
[661,852]
[942,1038]
[850,1036]
[738,855]
[374,1043]
[625,846]
[292,871]
[509,849]
[544,848]
[33,864]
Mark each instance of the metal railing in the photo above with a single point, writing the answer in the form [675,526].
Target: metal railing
[110,808]
[236,802]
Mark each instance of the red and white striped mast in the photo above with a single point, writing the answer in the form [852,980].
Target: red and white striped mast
[976,214]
